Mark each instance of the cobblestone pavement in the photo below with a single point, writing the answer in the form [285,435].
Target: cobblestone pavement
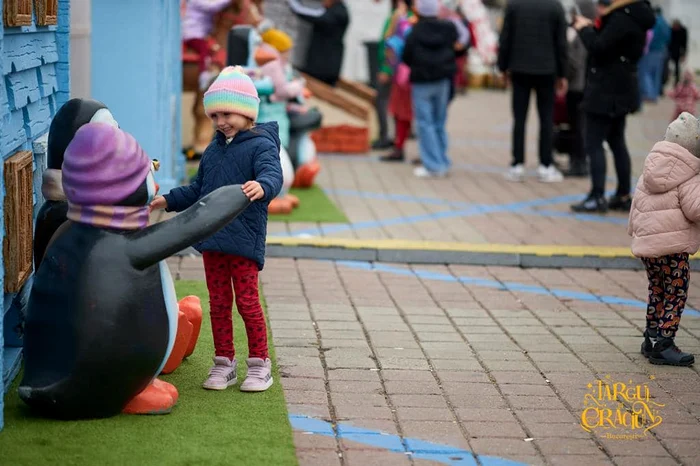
[474,204]
[396,365]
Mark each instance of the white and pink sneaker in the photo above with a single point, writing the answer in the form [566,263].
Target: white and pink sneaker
[259,376]
[222,374]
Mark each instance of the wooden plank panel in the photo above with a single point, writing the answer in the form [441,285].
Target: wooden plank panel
[19,215]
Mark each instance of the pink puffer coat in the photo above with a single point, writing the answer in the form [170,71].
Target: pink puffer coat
[666,205]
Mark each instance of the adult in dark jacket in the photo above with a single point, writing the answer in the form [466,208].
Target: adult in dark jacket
[678,46]
[324,56]
[611,93]
[533,51]
[430,54]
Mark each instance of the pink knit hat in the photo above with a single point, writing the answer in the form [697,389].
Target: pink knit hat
[103,165]
[232,92]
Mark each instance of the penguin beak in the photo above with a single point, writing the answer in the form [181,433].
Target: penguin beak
[157,188]
[263,56]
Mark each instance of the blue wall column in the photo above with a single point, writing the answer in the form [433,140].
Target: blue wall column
[136,70]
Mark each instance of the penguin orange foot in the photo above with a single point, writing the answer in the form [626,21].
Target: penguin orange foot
[305,175]
[192,307]
[168,387]
[279,206]
[182,341]
[293,200]
[154,399]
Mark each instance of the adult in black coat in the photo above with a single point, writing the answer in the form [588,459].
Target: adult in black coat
[678,46]
[533,51]
[611,93]
[324,56]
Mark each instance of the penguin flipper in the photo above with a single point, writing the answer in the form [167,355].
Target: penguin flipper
[204,218]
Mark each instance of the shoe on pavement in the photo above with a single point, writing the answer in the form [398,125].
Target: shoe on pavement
[422,172]
[516,173]
[222,374]
[666,352]
[549,174]
[259,376]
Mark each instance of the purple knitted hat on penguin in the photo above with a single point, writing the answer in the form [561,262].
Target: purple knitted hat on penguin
[103,165]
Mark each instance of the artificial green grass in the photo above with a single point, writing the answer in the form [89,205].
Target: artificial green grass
[314,205]
[205,427]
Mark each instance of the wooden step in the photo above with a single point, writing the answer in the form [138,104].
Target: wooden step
[327,93]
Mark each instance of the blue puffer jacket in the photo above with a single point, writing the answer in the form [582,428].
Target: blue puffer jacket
[251,155]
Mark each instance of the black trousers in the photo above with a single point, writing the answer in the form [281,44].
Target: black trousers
[381,105]
[543,85]
[576,122]
[601,128]
[677,69]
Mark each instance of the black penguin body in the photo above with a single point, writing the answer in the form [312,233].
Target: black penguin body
[97,327]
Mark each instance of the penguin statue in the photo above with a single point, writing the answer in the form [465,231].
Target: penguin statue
[246,48]
[102,313]
[69,118]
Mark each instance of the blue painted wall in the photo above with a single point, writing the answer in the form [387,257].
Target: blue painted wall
[140,80]
[34,83]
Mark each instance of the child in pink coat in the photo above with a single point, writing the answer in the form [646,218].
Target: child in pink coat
[685,95]
[664,227]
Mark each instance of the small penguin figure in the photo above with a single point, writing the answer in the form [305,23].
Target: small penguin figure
[102,314]
[69,118]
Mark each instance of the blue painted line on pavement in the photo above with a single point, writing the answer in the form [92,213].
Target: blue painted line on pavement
[445,202]
[473,210]
[416,448]
[505,286]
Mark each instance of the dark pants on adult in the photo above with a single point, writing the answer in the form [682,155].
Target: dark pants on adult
[543,85]
[601,128]
[577,156]
[677,69]
[381,105]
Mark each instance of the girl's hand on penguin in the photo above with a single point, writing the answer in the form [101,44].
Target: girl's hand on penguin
[158,202]
[253,190]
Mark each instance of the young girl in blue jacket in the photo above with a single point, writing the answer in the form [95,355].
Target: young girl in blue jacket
[247,154]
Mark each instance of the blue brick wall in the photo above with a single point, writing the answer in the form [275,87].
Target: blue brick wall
[34,83]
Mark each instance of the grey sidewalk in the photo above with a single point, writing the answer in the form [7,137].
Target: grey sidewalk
[405,363]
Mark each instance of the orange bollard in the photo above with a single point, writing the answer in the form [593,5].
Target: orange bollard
[192,307]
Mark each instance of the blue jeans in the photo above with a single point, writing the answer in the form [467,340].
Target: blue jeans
[653,74]
[430,102]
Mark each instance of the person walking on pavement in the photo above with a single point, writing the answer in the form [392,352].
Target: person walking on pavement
[429,52]
[324,57]
[677,47]
[533,54]
[576,76]
[611,94]
[656,58]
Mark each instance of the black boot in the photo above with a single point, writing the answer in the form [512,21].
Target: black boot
[395,155]
[382,144]
[592,204]
[649,340]
[577,169]
[666,352]
[620,203]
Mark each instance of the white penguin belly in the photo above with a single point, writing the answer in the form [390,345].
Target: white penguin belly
[172,308]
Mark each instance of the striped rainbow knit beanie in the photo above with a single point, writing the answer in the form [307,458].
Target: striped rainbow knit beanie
[232,92]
